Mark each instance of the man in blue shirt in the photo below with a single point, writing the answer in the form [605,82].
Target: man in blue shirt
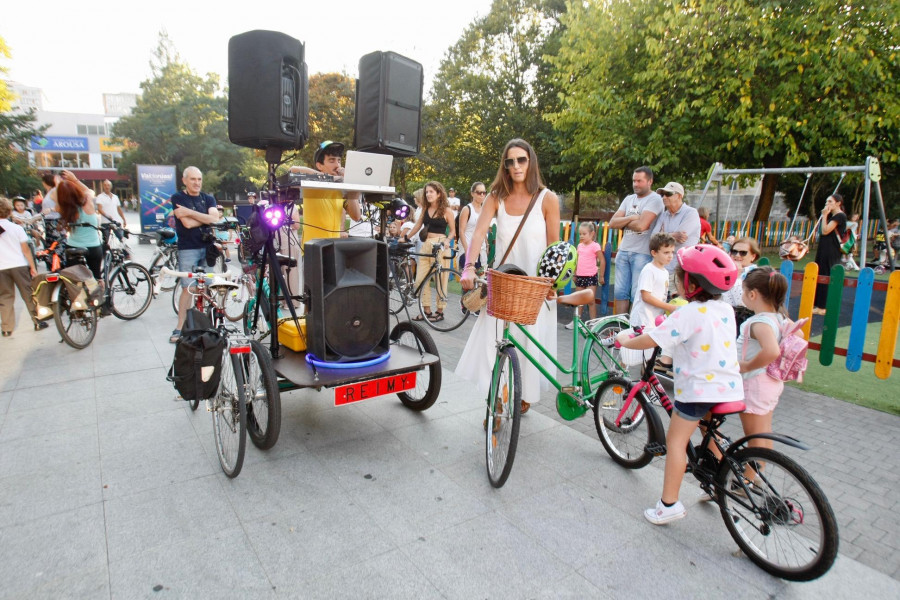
[193,211]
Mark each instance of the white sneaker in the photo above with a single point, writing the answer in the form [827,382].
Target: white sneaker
[570,325]
[705,496]
[663,514]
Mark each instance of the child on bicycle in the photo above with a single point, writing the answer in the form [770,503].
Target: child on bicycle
[591,265]
[701,338]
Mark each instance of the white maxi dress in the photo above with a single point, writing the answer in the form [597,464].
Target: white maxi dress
[477,359]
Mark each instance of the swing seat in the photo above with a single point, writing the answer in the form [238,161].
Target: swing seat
[793,250]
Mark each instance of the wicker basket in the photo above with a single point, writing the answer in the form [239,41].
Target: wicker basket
[516,298]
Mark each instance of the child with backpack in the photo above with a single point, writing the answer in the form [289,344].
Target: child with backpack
[701,338]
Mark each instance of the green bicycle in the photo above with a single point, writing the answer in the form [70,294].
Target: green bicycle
[595,363]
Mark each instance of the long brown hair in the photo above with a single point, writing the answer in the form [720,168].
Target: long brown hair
[70,199]
[442,203]
[502,185]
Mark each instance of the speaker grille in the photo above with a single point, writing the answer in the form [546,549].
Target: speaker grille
[353,327]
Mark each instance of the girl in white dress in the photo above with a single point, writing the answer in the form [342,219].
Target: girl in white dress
[518,180]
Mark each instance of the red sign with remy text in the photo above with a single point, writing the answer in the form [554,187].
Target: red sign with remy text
[364,390]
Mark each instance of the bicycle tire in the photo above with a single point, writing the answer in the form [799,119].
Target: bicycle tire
[599,362]
[625,442]
[77,328]
[194,404]
[264,408]
[229,413]
[399,288]
[130,291]
[428,380]
[235,302]
[256,323]
[176,294]
[780,536]
[504,412]
[168,259]
[455,313]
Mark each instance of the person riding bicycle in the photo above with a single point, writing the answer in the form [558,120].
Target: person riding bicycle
[76,208]
[701,338]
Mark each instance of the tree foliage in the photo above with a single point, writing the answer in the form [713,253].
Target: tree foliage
[491,87]
[16,129]
[681,84]
[181,119]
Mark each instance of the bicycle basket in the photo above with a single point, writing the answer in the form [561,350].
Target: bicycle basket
[516,298]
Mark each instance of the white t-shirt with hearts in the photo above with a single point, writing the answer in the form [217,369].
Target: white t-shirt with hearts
[700,336]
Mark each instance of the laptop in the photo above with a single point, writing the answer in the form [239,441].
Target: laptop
[368,168]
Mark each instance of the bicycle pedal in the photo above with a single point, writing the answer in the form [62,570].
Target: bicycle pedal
[656,449]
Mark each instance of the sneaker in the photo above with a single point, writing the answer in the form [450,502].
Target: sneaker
[570,325]
[663,514]
[176,335]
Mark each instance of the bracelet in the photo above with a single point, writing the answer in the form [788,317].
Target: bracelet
[467,267]
[468,264]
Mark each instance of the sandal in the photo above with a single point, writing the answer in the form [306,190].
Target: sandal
[525,407]
[438,316]
[428,316]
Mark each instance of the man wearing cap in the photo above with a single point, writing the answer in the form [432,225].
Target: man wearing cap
[679,220]
[322,216]
[636,216]
[453,201]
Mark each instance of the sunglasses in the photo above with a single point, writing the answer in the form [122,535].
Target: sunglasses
[509,163]
[479,193]
[740,252]
[667,194]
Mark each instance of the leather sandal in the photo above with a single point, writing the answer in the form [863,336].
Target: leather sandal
[428,316]
[438,316]
[525,407]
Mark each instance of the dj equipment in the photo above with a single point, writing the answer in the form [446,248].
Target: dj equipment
[294,179]
[268,100]
[389,104]
[346,283]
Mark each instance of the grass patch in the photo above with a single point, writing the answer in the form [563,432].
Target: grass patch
[862,387]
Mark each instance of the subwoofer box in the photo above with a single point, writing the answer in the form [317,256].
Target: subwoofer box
[389,104]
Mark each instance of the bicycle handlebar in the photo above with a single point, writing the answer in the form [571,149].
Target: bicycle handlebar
[198,275]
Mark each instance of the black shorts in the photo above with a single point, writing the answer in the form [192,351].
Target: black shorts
[586,281]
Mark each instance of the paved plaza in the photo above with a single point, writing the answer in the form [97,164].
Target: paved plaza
[111,489]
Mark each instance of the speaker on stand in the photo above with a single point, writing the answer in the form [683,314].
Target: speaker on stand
[389,104]
[346,284]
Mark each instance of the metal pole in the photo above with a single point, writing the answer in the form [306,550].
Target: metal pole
[786,170]
[718,199]
[887,238]
[867,191]
[802,194]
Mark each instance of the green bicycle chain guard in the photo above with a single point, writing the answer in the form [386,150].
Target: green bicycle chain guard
[568,407]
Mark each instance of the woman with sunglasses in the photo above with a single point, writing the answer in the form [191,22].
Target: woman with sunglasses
[828,253]
[744,252]
[518,180]
[468,220]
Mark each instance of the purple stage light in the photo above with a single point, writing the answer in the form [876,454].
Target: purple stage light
[273,216]
[400,209]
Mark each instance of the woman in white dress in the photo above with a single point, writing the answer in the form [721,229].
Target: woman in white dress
[518,180]
[468,220]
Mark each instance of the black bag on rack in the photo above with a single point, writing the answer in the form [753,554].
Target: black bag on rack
[197,366]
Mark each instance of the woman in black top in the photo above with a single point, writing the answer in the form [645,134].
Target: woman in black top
[436,217]
[828,254]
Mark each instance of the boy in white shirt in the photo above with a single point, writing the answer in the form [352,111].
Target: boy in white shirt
[653,288]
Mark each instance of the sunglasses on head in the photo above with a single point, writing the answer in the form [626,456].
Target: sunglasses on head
[509,163]
[740,252]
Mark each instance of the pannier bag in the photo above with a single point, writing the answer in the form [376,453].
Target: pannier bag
[197,366]
[80,284]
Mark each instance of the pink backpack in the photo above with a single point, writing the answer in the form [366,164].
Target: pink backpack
[792,363]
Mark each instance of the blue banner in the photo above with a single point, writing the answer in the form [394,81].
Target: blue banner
[55,143]
[156,184]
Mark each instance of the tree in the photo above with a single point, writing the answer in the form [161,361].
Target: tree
[490,88]
[681,84]
[181,119]
[16,130]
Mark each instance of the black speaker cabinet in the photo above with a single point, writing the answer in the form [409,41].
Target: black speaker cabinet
[346,281]
[389,104]
[268,102]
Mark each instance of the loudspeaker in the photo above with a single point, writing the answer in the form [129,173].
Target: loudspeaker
[268,102]
[389,104]
[346,283]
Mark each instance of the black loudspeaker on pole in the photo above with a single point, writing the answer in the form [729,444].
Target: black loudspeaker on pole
[268,102]
[389,104]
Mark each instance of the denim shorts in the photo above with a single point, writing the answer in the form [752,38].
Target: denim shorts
[188,261]
[628,271]
[692,411]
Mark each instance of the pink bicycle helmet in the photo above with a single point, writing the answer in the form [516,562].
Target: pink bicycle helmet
[711,267]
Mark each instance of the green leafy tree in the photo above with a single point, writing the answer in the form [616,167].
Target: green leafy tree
[16,129]
[181,119]
[681,84]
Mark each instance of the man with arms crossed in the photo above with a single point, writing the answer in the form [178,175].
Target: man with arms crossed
[192,210]
[636,216]
[680,221]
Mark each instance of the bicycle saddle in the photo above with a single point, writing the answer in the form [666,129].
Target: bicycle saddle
[166,234]
[728,408]
[579,298]
[72,252]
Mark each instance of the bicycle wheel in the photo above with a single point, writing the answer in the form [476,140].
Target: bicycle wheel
[624,432]
[428,380]
[450,294]
[400,287]
[176,294]
[235,301]
[606,359]
[164,283]
[782,521]
[131,289]
[504,411]
[256,322]
[229,413]
[77,328]
[264,410]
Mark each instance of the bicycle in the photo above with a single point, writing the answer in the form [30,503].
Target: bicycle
[248,402]
[166,255]
[403,290]
[773,508]
[588,370]
[171,262]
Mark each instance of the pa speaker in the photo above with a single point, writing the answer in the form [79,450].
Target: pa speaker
[268,101]
[347,312]
[389,104]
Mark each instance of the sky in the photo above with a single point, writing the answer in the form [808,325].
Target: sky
[77,51]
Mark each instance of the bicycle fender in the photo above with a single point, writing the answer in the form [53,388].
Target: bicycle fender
[777,437]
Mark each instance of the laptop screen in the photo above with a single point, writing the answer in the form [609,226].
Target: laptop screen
[368,168]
